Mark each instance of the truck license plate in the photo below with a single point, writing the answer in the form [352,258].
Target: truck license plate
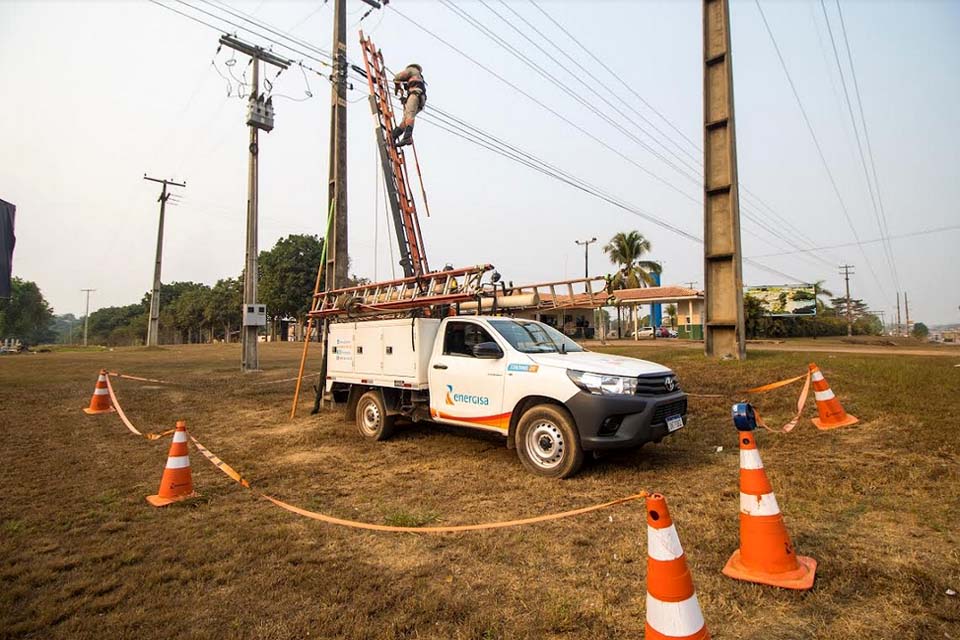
[674,423]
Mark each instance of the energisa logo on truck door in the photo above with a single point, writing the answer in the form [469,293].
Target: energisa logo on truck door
[463,398]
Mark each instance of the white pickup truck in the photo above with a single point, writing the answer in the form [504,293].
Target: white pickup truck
[552,399]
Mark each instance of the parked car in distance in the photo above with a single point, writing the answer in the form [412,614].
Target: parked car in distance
[642,332]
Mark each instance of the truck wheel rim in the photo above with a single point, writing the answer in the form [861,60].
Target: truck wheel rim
[545,445]
[370,418]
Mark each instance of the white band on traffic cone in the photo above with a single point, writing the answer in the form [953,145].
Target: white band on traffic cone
[675,619]
[663,544]
[178,462]
[765,505]
[750,459]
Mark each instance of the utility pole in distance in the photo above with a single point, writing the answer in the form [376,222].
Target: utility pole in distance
[906,311]
[86,315]
[259,116]
[898,313]
[153,327]
[335,272]
[845,271]
[586,257]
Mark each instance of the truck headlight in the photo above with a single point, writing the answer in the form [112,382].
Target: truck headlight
[602,384]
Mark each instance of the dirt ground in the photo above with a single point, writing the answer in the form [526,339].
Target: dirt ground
[82,555]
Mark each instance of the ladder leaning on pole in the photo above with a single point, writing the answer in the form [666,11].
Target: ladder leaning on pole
[413,257]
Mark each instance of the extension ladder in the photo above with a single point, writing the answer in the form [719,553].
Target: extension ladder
[413,257]
[395,296]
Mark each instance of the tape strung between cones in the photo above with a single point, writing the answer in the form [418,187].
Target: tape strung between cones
[126,421]
[138,378]
[801,401]
[234,475]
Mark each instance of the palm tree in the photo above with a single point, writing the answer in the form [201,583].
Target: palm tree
[626,249]
[820,290]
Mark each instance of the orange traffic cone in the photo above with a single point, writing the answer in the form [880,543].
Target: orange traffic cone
[100,402]
[765,554]
[831,411]
[672,607]
[177,482]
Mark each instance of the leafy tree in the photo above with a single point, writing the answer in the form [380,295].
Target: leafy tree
[626,250]
[26,315]
[66,327]
[117,325]
[920,330]
[189,311]
[223,305]
[288,275]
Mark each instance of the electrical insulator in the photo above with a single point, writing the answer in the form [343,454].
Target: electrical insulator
[260,113]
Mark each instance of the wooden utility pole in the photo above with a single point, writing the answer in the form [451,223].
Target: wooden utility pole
[259,116]
[153,326]
[86,315]
[335,273]
[845,271]
[723,263]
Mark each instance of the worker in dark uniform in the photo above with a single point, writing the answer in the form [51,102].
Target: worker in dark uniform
[414,99]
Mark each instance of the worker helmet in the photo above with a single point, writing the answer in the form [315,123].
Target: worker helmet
[416,66]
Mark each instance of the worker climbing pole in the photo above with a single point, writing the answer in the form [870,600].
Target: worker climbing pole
[413,258]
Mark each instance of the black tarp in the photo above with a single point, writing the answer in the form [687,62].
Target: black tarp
[7,240]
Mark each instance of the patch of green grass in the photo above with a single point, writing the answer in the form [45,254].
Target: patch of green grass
[403,518]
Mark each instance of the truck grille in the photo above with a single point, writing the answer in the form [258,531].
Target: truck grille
[653,385]
[663,411]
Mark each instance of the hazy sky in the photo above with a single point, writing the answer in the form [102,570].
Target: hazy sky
[97,94]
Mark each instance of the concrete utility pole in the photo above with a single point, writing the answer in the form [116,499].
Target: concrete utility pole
[845,271]
[86,315]
[259,116]
[336,274]
[586,258]
[906,311]
[722,258]
[153,326]
[898,313]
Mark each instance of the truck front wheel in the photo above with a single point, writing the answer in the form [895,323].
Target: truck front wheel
[372,419]
[547,442]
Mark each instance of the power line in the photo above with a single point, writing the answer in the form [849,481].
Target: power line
[874,241]
[487,32]
[866,134]
[856,135]
[478,137]
[816,143]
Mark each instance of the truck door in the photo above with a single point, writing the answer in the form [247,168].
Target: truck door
[465,389]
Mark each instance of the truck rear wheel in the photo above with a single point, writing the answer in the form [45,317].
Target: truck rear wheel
[547,442]
[372,419]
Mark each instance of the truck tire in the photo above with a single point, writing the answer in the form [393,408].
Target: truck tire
[547,442]
[372,419]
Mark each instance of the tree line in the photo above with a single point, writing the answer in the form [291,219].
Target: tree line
[189,311]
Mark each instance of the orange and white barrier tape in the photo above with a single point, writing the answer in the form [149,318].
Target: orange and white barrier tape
[801,401]
[126,421]
[138,378]
[234,475]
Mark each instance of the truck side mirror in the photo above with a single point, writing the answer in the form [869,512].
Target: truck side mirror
[488,350]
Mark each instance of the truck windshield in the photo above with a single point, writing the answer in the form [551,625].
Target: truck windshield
[528,336]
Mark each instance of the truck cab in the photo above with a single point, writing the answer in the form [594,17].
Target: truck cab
[549,397]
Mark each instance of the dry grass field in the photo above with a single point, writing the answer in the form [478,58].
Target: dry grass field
[82,555]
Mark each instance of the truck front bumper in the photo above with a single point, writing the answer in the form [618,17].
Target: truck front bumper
[621,422]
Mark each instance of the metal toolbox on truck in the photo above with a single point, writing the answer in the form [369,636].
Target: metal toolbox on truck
[382,352]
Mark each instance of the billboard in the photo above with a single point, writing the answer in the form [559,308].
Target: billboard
[787,300]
